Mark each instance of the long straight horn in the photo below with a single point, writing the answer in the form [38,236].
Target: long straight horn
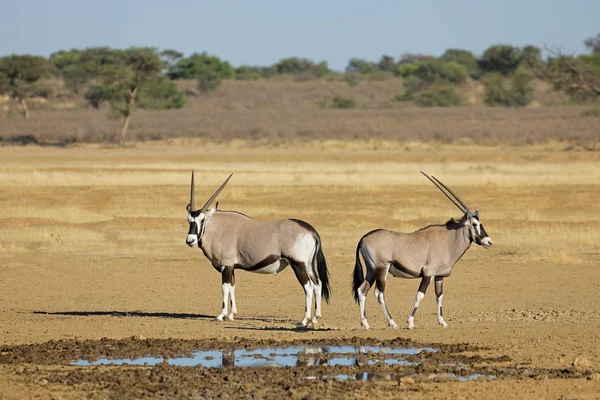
[452,193]
[449,195]
[214,196]
[192,199]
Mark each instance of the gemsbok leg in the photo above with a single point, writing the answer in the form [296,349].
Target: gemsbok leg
[420,294]
[232,296]
[302,276]
[227,283]
[318,289]
[439,293]
[379,295]
[363,289]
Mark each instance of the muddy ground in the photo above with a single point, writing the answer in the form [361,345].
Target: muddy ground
[94,264]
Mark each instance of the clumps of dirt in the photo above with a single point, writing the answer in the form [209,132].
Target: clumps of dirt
[58,352]
[48,363]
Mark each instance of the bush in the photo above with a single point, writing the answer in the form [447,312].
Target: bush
[352,78]
[436,71]
[407,70]
[160,94]
[591,112]
[465,58]
[516,92]
[437,96]
[339,102]
[503,59]
[208,82]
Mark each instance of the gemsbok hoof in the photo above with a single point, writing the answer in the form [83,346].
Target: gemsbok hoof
[219,318]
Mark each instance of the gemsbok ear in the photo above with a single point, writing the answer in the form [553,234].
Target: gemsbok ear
[476,213]
[188,208]
[469,214]
[211,212]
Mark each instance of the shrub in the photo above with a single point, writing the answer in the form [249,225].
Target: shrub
[463,57]
[437,96]
[503,59]
[208,82]
[436,71]
[352,78]
[343,102]
[160,94]
[407,70]
[338,102]
[591,112]
[516,92]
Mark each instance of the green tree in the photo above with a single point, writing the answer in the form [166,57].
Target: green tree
[197,64]
[122,75]
[19,75]
[386,63]
[160,94]
[437,71]
[171,57]
[463,57]
[361,66]
[513,92]
[504,59]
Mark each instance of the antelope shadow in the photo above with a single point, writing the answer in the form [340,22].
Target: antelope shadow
[126,314]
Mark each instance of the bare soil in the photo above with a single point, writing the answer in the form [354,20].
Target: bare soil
[93,263]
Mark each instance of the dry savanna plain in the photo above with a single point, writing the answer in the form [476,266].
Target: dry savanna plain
[93,264]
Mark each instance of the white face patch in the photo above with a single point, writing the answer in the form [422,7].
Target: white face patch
[193,237]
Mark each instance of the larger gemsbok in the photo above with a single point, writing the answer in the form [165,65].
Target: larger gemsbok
[429,254]
[232,240]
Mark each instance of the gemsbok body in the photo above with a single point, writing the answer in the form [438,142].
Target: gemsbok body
[429,254]
[233,241]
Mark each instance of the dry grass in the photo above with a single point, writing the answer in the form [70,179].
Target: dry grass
[275,111]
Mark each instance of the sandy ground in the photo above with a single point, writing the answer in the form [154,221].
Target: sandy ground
[92,246]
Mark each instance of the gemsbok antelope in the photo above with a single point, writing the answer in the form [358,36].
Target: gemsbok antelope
[232,240]
[429,254]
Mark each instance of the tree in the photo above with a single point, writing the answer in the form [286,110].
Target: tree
[501,58]
[463,57]
[576,76]
[160,94]
[361,66]
[513,92]
[197,64]
[171,57]
[593,44]
[122,75]
[69,67]
[387,64]
[19,74]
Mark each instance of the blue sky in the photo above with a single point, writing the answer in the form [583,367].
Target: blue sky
[260,32]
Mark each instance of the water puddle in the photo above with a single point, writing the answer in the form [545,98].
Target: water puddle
[293,356]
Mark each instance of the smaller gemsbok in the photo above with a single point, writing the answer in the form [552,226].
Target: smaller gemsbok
[232,240]
[429,254]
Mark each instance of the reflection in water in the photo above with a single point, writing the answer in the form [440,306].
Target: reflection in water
[292,356]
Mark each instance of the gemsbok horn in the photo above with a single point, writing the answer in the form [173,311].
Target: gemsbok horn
[232,240]
[429,254]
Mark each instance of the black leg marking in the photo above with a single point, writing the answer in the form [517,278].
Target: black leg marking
[422,289]
[439,286]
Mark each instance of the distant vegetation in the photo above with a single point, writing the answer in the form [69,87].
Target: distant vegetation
[122,80]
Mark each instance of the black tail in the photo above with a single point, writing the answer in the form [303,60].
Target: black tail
[357,276]
[323,272]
